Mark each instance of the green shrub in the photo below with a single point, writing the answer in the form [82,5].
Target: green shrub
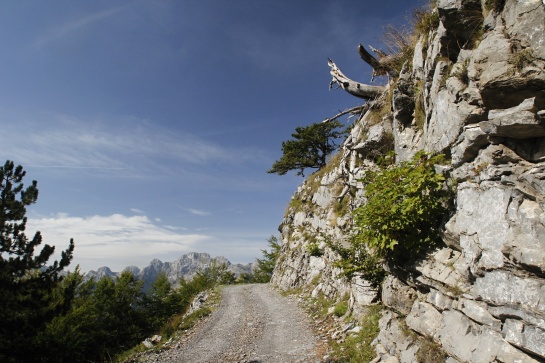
[313,249]
[405,206]
[341,308]
[356,260]
[462,72]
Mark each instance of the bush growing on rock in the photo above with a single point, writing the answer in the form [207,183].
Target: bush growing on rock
[406,204]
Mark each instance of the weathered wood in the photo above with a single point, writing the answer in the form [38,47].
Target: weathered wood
[381,66]
[358,110]
[357,89]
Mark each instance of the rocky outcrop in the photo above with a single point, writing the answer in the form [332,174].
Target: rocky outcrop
[186,266]
[474,90]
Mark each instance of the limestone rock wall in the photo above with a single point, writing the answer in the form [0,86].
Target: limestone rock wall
[478,81]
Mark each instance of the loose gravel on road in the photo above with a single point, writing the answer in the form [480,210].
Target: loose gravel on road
[253,324]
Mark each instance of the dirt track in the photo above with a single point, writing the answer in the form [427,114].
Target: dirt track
[253,324]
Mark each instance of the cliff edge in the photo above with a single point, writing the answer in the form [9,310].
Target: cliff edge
[472,88]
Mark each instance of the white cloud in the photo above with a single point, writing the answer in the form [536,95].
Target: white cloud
[198,212]
[115,241]
[175,228]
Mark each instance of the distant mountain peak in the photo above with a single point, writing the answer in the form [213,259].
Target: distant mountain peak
[185,266]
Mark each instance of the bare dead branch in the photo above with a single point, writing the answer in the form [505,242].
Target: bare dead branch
[358,110]
[385,65]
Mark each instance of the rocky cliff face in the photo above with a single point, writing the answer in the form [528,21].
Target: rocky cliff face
[474,90]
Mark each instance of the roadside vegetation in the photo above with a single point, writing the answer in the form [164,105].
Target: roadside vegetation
[50,315]
[109,316]
[345,338]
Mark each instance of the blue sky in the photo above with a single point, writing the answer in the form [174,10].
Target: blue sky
[150,125]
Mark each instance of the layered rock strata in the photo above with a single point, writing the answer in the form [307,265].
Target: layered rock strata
[474,90]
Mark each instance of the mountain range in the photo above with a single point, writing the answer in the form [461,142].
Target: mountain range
[186,266]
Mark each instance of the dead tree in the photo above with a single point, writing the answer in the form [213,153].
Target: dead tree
[357,89]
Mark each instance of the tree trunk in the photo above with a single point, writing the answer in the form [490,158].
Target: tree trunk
[382,66]
[357,89]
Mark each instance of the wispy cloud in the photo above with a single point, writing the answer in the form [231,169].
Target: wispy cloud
[115,240]
[198,212]
[135,147]
[62,30]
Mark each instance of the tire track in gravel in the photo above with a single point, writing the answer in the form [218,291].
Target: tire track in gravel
[253,324]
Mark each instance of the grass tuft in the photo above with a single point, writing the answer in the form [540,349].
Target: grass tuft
[357,348]
[419,107]
[522,59]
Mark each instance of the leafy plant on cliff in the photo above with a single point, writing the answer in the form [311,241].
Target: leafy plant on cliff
[425,19]
[309,149]
[313,249]
[405,206]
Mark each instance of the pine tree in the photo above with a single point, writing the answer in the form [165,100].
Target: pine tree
[26,281]
[309,149]
[265,266]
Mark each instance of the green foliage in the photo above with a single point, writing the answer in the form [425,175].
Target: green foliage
[27,283]
[313,249]
[358,348]
[356,260]
[309,149]
[341,308]
[265,266]
[161,301]
[342,207]
[106,318]
[109,316]
[381,107]
[405,206]
[399,44]
[320,305]
[462,72]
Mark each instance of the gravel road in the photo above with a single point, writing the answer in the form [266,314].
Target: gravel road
[254,323]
